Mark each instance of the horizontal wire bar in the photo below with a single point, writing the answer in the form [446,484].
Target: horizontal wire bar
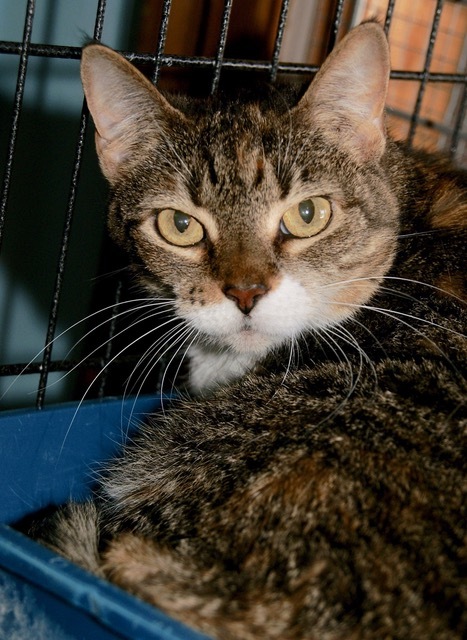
[34,368]
[57,366]
[54,366]
[74,53]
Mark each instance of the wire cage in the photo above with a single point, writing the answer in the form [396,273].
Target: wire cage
[56,267]
[61,281]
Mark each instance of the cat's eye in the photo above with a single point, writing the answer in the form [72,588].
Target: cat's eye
[307,218]
[179,228]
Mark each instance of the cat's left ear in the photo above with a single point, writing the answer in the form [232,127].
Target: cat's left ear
[346,99]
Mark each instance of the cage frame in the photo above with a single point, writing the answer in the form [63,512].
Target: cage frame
[25,49]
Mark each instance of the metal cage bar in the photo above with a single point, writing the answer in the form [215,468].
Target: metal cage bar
[218,63]
[17,104]
[278,40]
[336,23]
[74,53]
[389,15]
[459,122]
[161,39]
[423,84]
[53,314]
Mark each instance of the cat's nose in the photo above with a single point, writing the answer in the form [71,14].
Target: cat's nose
[245,297]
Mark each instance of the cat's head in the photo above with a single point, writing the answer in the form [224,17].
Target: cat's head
[262,222]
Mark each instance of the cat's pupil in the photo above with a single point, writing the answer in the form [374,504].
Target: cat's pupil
[306,210]
[181,221]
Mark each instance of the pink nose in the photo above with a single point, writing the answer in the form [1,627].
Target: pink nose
[245,297]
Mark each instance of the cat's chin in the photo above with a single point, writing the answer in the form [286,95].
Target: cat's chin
[231,343]
[219,359]
[255,343]
[212,367]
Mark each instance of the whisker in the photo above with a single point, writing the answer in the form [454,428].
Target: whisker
[155,353]
[350,339]
[327,332]
[117,355]
[150,306]
[64,332]
[116,335]
[397,279]
[283,157]
[353,379]
[179,333]
[172,390]
[190,332]
[155,358]
[293,346]
[396,315]
[393,313]
[418,233]
[109,274]
[370,333]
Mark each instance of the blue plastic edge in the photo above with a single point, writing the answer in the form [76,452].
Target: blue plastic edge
[108,604]
[49,456]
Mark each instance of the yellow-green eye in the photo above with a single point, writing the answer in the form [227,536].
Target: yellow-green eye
[179,228]
[307,218]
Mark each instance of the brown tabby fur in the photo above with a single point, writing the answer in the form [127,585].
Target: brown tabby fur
[323,500]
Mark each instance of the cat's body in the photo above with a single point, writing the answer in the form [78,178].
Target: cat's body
[321,493]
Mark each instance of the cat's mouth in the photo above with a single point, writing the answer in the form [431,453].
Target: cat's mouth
[247,324]
[253,339]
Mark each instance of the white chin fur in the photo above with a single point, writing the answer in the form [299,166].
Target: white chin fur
[233,342]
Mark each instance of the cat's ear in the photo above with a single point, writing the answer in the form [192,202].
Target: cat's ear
[347,97]
[127,109]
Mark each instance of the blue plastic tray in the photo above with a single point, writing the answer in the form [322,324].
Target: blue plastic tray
[47,457]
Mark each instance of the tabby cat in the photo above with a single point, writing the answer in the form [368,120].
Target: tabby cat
[314,486]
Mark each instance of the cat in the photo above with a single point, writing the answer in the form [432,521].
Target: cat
[313,486]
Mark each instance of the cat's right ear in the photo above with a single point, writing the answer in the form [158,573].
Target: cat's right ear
[127,109]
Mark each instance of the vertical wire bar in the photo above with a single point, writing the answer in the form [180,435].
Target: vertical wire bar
[221,45]
[459,122]
[338,13]
[389,15]
[429,55]
[53,315]
[161,39]
[17,104]
[278,41]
